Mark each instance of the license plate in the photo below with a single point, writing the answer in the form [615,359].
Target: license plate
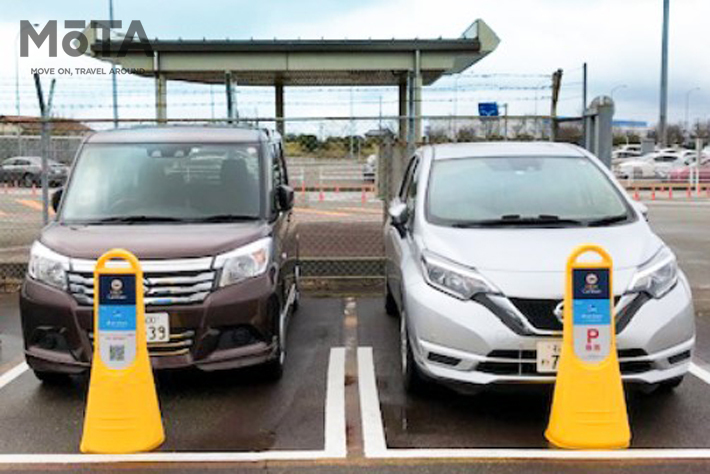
[548,356]
[157,327]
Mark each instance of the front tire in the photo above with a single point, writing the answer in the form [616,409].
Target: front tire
[670,384]
[411,376]
[27,180]
[390,303]
[297,289]
[273,369]
[52,378]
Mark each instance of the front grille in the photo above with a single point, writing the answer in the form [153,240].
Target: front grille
[164,282]
[524,363]
[541,313]
[180,343]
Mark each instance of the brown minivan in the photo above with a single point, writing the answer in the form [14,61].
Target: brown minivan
[208,213]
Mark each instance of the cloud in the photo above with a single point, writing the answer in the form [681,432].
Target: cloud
[620,41]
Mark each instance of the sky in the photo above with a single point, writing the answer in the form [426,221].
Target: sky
[619,40]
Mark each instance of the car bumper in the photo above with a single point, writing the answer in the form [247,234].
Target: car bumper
[464,342]
[233,327]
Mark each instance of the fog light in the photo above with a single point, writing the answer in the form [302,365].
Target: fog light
[242,337]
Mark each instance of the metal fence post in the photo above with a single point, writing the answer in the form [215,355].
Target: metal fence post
[45,110]
[698,154]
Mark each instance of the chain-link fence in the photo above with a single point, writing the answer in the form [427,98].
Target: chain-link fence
[343,171]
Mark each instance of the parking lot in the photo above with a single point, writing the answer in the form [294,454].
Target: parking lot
[341,404]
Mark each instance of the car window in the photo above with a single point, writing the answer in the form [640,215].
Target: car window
[180,181]
[276,174]
[278,171]
[9,162]
[21,162]
[406,180]
[279,167]
[412,189]
[470,190]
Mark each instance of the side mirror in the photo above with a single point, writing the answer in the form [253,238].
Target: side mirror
[642,209]
[398,216]
[284,196]
[57,198]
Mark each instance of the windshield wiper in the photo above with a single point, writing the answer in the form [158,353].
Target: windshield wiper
[134,219]
[608,220]
[515,220]
[224,218]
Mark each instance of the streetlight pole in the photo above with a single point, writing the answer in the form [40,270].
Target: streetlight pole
[17,71]
[687,104]
[113,76]
[663,118]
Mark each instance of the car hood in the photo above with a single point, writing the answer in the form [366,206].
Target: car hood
[151,241]
[532,262]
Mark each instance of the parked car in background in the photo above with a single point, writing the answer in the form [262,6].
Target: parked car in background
[630,148]
[619,156]
[683,175]
[208,213]
[476,246]
[653,165]
[369,169]
[27,171]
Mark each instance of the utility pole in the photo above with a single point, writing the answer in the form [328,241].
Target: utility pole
[113,76]
[230,96]
[584,88]
[663,119]
[556,83]
[584,104]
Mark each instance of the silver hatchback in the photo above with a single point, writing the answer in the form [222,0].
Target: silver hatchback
[476,246]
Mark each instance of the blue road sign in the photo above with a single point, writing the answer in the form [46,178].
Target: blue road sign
[488,109]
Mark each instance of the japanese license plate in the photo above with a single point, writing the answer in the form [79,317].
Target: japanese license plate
[157,327]
[548,356]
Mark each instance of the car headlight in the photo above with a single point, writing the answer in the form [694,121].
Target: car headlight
[245,262]
[657,276]
[457,280]
[47,266]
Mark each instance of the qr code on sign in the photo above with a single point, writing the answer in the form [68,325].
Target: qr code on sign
[117,353]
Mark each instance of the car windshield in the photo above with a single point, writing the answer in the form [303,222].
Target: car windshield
[546,191]
[164,183]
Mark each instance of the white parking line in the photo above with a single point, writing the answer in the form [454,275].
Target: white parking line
[700,373]
[335,434]
[335,430]
[376,445]
[373,431]
[13,373]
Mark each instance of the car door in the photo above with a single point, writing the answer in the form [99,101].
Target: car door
[398,244]
[284,248]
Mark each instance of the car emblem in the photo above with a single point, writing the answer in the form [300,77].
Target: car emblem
[559,311]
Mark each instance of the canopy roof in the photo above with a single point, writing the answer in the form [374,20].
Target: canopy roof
[302,62]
